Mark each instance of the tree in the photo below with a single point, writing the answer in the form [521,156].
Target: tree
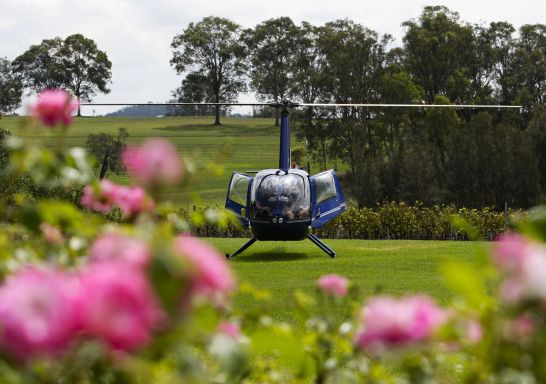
[11,88]
[437,50]
[271,47]
[107,150]
[75,64]
[354,63]
[529,66]
[211,51]
[87,69]
[309,84]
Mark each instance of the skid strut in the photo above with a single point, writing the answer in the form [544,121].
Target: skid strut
[244,246]
[321,245]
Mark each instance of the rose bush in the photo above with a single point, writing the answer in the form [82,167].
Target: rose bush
[84,299]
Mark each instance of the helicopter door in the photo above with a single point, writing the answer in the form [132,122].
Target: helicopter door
[237,196]
[327,198]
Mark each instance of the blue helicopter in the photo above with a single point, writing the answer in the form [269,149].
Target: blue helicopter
[284,203]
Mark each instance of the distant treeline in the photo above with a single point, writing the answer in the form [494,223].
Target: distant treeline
[470,157]
[140,111]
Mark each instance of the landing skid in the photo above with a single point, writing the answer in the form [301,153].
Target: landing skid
[311,237]
[321,245]
[240,250]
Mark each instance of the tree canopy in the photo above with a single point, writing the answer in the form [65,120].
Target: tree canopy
[75,64]
[211,51]
[11,88]
[271,50]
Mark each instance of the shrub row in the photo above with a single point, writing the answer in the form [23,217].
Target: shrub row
[398,220]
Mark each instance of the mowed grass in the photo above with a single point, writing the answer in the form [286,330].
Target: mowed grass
[394,267]
[238,144]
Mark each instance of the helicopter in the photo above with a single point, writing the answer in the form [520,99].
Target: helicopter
[286,203]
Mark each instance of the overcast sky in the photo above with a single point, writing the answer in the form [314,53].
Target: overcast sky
[136,34]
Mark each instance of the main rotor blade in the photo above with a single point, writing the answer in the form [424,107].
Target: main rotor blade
[294,105]
[173,104]
[471,106]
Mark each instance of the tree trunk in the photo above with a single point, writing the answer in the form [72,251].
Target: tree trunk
[217,119]
[276,117]
[104,166]
[79,107]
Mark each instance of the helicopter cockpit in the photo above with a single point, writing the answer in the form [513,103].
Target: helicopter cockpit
[280,197]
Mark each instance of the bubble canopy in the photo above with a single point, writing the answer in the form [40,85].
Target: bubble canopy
[281,195]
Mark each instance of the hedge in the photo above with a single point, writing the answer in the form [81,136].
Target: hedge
[397,220]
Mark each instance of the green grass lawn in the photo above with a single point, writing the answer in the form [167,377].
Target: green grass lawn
[392,266]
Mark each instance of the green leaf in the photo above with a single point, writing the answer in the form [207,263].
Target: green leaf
[467,281]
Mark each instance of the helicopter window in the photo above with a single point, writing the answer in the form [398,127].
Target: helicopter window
[238,189]
[325,187]
[266,197]
[286,195]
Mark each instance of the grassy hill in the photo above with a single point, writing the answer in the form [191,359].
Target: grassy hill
[239,144]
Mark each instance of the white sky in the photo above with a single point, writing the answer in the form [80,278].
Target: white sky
[136,35]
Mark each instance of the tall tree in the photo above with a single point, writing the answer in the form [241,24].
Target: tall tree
[529,66]
[309,84]
[74,63]
[271,47]
[87,69]
[355,61]
[437,50]
[211,50]
[11,88]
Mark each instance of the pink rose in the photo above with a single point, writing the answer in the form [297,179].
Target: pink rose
[474,331]
[131,200]
[392,322]
[54,106]
[526,280]
[37,312]
[117,306]
[154,162]
[229,328]
[520,329]
[100,199]
[209,273]
[532,276]
[510,250]
[52,234]
[333,285]
[114,246]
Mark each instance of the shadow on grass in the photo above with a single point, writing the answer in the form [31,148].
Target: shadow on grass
[276,254]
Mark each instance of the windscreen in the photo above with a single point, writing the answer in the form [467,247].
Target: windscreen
[285,195]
